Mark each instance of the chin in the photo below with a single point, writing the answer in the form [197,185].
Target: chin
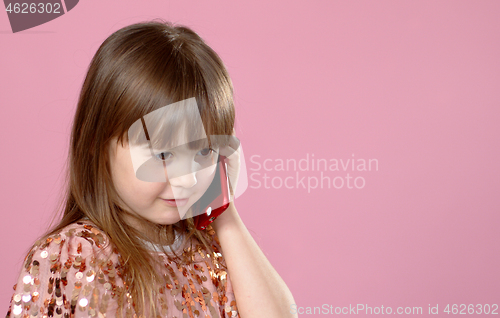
[167,221]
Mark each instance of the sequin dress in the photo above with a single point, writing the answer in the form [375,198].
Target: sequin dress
[77,273]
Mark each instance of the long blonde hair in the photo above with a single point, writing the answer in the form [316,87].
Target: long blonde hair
[138,69]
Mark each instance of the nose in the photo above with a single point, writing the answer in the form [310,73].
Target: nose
[185,181]
[182,175]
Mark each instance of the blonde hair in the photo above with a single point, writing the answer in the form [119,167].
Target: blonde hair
[138,69]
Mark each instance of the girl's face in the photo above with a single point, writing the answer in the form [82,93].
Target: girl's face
[148,199]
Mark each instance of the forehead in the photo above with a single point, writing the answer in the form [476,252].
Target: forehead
[169,126]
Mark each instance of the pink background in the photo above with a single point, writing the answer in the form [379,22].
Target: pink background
[413,84]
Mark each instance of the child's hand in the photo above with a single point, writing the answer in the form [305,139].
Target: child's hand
[232,152]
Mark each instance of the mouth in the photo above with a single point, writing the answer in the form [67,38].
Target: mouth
[176,202]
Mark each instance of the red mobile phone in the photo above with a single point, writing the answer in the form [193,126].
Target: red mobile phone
[216,198]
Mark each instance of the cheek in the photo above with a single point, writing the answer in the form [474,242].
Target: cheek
[134,191]
[145,190]
[141,196]
[206,176]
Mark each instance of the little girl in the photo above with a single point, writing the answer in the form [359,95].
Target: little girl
[121,248]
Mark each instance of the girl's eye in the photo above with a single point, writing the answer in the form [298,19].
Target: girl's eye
[163,156]
[206,152]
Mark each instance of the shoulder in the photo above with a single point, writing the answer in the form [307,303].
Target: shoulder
[82,239]
[65,269]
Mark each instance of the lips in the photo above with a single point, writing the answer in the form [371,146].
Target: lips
[176,202]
